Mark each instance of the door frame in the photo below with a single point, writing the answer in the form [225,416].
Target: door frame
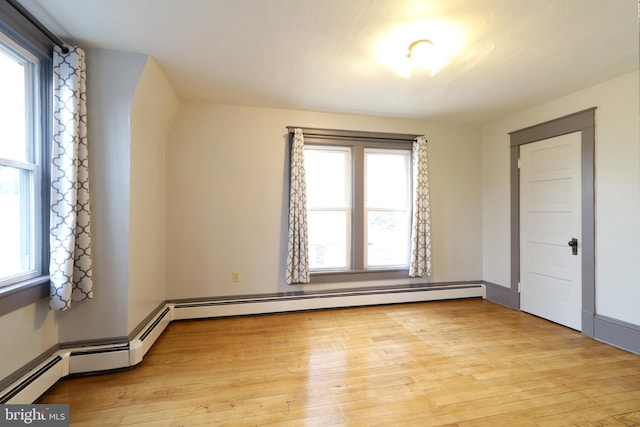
[583,122]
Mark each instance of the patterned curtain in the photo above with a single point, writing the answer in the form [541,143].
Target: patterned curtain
[421,222]
[70,238]
[298,250]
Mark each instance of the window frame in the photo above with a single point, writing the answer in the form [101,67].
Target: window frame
[28,37]
[358,141]
[347,208]
[407,208]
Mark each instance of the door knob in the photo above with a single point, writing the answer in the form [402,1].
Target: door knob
[574,246]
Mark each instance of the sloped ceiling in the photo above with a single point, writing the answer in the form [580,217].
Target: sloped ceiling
[327,55]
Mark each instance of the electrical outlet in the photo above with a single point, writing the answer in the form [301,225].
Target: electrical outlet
[235,277]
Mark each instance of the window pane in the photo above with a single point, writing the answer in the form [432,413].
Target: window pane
[327,173]
[13,139]
[387,178]
[387,238]
[16,222]
[387,208]
[327,231]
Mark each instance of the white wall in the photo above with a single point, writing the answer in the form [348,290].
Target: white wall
[154,106]
[227,197]
[225,174]
[617,182]
[28,332]
[25,334]
[112,80]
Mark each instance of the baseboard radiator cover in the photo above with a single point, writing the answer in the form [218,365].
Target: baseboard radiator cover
[141,343]
[82,359]
[38,380]
[97,357]
[264,304]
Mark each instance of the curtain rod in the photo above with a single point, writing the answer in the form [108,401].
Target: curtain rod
[340,133]
[39,25]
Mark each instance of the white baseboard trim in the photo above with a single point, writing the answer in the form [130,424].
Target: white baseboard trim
[38,380]
[85,359]
[314,301]
[141,343]
[96,357]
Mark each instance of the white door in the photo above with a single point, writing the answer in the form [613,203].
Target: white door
[550,218]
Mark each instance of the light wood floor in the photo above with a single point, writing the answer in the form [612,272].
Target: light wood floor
[454,363]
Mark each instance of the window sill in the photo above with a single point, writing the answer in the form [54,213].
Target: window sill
[358,276]
[13,297]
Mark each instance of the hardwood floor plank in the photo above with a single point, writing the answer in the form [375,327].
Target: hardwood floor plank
[629,418]
[450,363]
[601,407]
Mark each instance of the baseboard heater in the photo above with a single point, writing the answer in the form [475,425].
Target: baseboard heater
[140,344]
[262,304]
[37,377]
[82,359]
[31,386]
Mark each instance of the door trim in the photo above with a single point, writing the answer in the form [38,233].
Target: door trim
[583,122]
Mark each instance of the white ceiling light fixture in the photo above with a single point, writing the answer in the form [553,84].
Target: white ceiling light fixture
[419,45]
[421,53]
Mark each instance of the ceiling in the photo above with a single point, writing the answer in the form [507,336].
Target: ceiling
[325,55]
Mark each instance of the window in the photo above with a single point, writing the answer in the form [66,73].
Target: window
[358,206]
[329,215]
[387,207]
[25,132]
[20,174]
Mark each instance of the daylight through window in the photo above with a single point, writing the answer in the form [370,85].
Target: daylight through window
[20,172]
[358,205]
[387,207]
